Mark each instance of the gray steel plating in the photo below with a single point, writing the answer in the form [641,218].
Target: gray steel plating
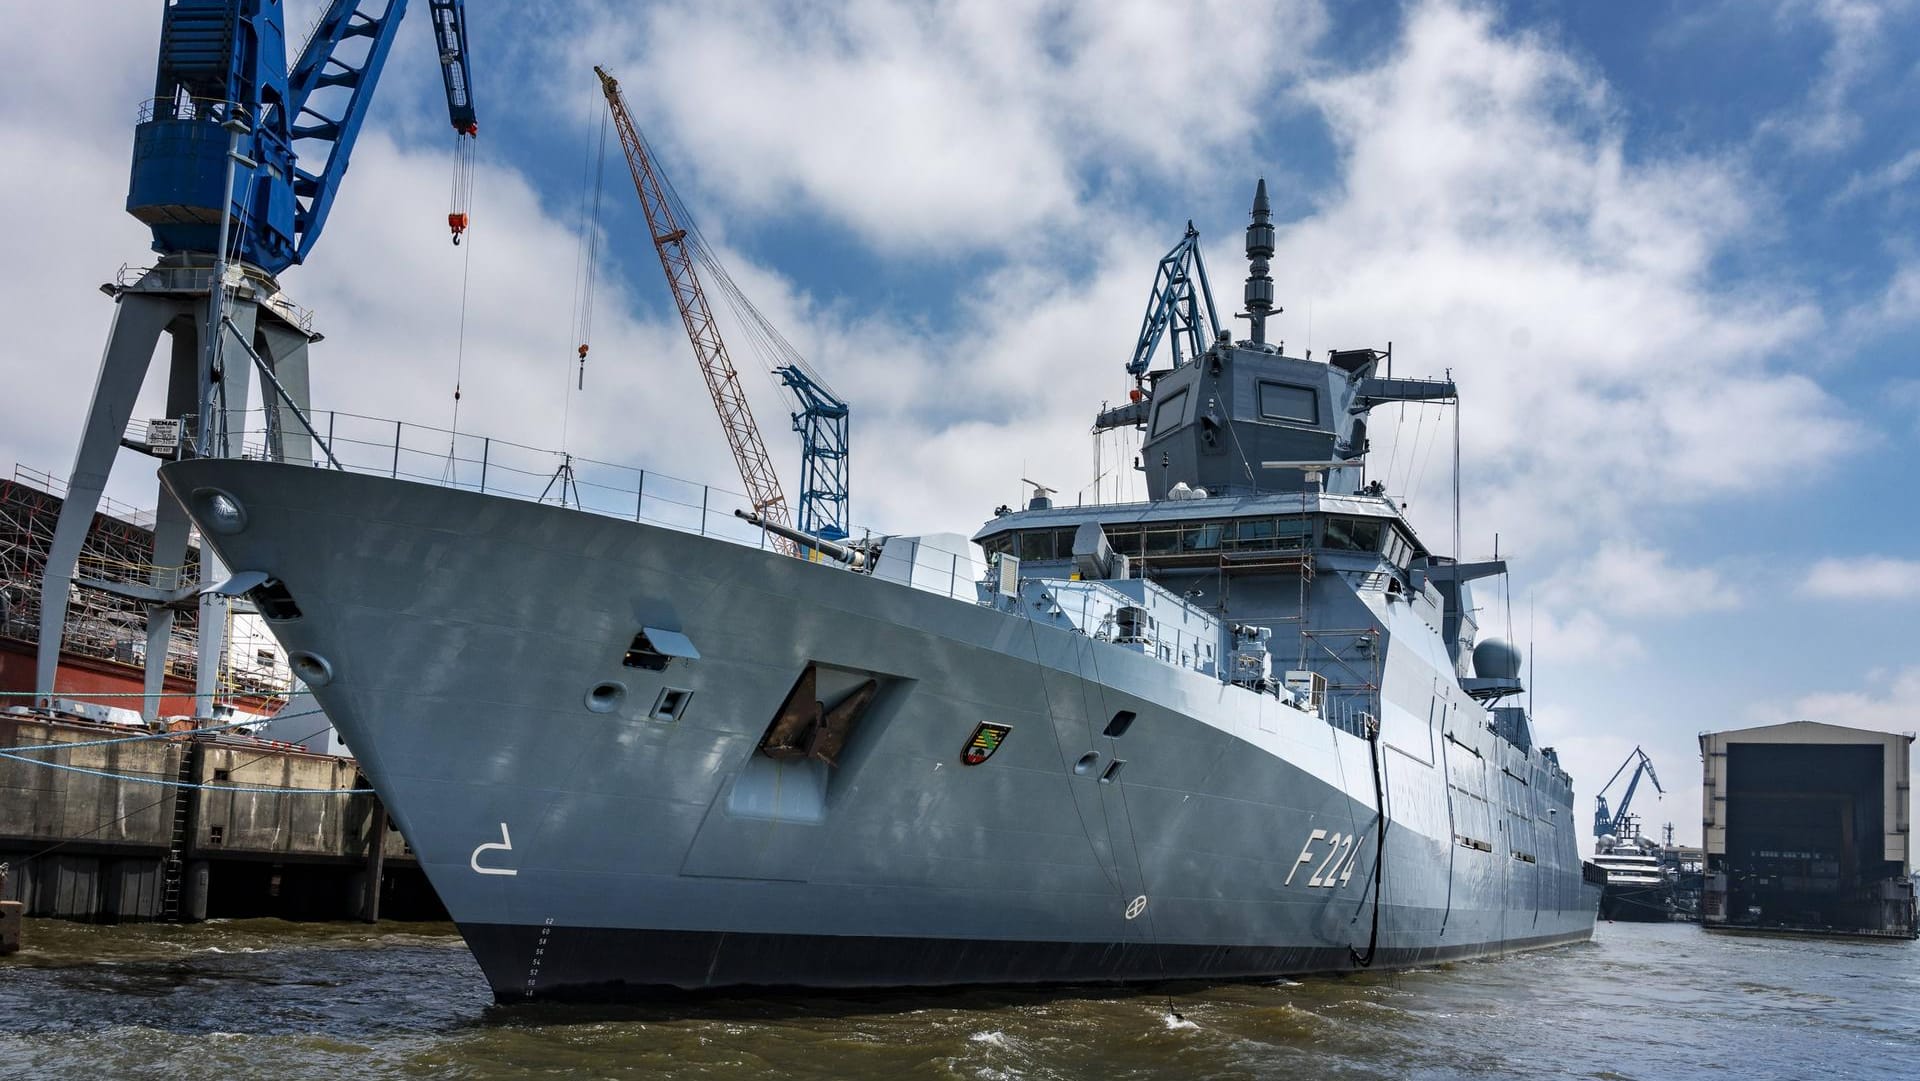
[600,830]
[634,760]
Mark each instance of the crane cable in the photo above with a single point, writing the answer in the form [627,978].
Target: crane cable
[460,337]
[460,199]
[586,261]
[771,346]
[587,272]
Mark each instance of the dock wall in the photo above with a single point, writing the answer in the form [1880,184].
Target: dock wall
[121,848]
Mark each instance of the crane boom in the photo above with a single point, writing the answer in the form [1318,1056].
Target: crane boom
[723,382]
[1175,305]
[1606,821]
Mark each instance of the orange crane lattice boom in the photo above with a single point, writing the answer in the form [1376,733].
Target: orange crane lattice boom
[723,382]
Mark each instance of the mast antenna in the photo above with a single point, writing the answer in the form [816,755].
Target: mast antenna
[1259,293]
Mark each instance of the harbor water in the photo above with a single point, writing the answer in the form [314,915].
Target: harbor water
[269,999]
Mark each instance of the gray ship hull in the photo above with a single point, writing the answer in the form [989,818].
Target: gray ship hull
[597,846]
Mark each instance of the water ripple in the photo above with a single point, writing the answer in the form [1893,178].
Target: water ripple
[264,999]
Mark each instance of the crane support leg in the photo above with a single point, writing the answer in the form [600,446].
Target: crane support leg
[233,377]
[172,298]
[285,351]
[170,525]
[137,322]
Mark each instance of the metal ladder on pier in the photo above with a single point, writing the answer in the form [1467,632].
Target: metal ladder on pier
[173,872]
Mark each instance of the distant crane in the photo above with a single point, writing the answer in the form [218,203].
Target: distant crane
[237,160]
[1178,302]
[1180,295]
[822,424]
[821,419]
[1605,823]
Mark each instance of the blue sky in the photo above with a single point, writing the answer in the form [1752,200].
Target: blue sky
[1668,250]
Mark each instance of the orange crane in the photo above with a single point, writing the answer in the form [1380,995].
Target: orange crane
[723,382]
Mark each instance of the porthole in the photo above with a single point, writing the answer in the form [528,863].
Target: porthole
[606,697]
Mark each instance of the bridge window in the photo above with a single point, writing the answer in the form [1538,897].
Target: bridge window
[1167,417]
[1202,537]
[1163,541]
[998,544]
[1399,549]
[1284,401]
[1043,544]
[1354,534]
[1250,533]
[1125,539]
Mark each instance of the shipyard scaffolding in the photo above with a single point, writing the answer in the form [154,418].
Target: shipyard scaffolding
[106,632]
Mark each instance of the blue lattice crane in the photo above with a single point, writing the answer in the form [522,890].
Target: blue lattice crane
[1176,307]
[1607,823]
[822,424]
[1180,296]
[225,61]
[237,160]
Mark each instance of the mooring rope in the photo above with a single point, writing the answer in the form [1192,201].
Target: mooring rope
[162,782]
[1365,960]
[150,736]
[18,754]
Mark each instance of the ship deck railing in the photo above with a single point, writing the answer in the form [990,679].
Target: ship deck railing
[468,461]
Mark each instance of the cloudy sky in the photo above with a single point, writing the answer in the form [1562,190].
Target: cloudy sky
[1667,250]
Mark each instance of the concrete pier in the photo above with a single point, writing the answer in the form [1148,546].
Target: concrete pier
[121,849]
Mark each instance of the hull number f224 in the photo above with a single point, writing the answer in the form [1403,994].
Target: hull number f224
[1332,866]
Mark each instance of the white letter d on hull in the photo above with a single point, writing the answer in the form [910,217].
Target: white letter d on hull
[505,845]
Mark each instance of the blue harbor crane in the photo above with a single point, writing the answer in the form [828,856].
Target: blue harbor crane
[822,424]
[1612,824]
[1180,298]
[237,160]
[1180,295]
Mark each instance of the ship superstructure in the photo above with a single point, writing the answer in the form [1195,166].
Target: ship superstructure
[1245,728]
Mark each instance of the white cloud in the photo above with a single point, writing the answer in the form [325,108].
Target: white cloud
[1900,301]
[943,129]
[1891,177]
[1825,122]
[1905,394]
[1875,578]
[1575,637]
[1489,221]
[1624,578]
[1887,702]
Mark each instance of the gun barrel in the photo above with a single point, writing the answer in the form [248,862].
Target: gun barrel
[839,553]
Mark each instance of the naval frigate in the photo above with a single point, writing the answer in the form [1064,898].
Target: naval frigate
[1246,728]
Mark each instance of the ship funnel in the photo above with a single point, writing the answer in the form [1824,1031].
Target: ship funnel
[1259,250]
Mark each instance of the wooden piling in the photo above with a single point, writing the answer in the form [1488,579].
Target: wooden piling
[10,916]
[376,863]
